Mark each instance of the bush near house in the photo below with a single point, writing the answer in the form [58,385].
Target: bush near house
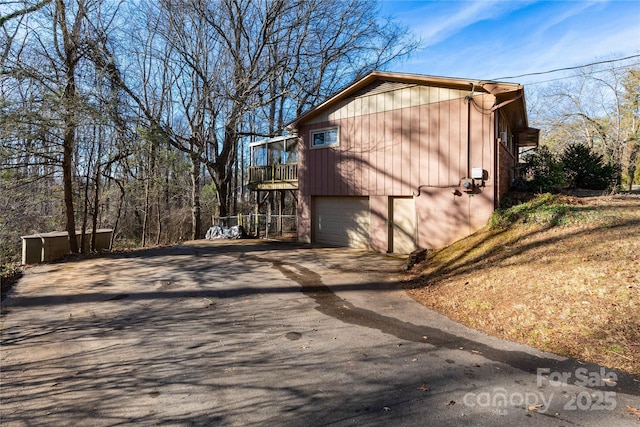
[544,171]
[577,167]
[583,168]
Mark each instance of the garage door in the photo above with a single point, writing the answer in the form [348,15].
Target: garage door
[341,221]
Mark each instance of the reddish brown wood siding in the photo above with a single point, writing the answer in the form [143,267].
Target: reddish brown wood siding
[394,152]
[392,144]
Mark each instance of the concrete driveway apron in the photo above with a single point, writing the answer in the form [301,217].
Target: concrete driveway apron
[256,333]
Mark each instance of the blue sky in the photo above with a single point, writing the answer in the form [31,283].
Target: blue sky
[486,39]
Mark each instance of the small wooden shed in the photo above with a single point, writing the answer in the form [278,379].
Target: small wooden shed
[45,247]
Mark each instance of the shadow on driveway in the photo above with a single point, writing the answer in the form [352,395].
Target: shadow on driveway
[235,333]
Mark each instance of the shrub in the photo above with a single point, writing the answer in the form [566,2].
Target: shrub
[543,171]
[585,169]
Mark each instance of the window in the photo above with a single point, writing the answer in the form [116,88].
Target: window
[324,138]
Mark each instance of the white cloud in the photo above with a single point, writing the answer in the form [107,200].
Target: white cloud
[437,21]
[568,11]
[440,28]
[483,39]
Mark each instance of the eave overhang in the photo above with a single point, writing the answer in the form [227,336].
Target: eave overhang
[503,91]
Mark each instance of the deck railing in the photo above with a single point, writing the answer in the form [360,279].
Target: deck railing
[273,173]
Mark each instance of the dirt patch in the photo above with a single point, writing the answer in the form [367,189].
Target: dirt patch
[564,277]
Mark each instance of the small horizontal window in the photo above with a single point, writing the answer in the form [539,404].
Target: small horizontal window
[324,138]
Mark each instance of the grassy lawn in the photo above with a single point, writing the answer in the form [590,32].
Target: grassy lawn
[558,273]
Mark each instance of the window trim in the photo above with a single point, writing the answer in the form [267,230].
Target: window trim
[324,130]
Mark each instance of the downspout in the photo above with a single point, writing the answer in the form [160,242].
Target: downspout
[469,99]
[496,171]
[455,192]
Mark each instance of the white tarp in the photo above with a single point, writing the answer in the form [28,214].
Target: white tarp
[219,232]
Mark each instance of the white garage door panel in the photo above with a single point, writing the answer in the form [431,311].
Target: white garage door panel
[342,221]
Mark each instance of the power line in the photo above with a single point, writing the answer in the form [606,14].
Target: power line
[573,77]
[567,68]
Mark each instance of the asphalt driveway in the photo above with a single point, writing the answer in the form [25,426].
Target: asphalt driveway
[255,333]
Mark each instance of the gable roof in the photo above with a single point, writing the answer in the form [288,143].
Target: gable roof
[509,96]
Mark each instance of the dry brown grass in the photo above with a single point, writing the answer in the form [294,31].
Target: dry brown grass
[569,285]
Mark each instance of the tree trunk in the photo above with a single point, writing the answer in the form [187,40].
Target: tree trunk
[234,189]
[633,158]
[221,170]
[85,209]
[159,219]
[222,192]
[67,160]
[67,177]
[145,219]
[116,223]
[96,207]
[221,181]
[196,221]
[96,193]
[69,99]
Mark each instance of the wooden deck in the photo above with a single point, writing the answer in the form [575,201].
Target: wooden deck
[274,177]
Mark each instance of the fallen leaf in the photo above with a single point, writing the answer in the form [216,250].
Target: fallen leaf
[451,403]
[609,381]
[534,407]
[634,411]
[423,388]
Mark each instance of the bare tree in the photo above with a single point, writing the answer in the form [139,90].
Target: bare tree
[117,107]
[232,58]
[69,52]
[46,78]
[630,111]
[596,107]
[24,10]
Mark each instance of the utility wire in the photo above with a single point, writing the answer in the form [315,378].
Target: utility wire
[566,68]
[573,77]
